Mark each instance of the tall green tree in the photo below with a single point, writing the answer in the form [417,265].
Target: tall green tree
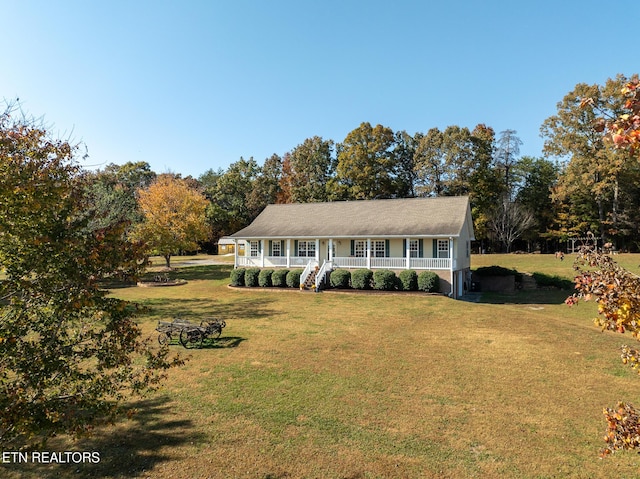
[459,161]
[266,186]
[71,354]
[539,178]
[366,165]
[229,192]
[310,167]
[430,166]
[486,187]
[113,192]
[444,162]
[405,159]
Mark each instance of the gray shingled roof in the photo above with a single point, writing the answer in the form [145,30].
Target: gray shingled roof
[410,217]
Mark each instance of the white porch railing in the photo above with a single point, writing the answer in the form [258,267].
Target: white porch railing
[246,261]
[298,261]
[389,263]
[348,262]
[393,263]
[430,263]
[272,261]
[275,261]
[322,272]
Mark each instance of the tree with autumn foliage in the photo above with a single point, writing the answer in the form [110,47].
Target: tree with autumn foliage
[614,289]
[174,217]
[71,354]
[622,130]
[597,188]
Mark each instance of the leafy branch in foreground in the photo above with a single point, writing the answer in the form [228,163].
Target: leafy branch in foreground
[622,130]
[69,354]
[617,293]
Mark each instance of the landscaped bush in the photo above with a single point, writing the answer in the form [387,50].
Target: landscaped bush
[279,278]
[486,271]
[408,280]
[385,280]
[361,279]
[428,281]
[264,278]
[237,277]
[251,277]
[340,278]
[293,278]
[495,271]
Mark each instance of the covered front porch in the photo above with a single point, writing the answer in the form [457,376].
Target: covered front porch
[370,253]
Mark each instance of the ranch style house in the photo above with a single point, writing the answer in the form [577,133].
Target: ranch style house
[414,233]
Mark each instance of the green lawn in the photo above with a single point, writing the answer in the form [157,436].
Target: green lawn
[331,385]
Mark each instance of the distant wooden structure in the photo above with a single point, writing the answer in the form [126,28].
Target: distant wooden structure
[575,243]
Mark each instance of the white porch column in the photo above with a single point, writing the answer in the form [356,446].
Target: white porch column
[262,253]
[235,253]
[288,253]
[407,252]
[330,249]
[368,253]
[317,250]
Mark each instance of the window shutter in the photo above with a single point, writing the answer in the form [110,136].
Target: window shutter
[435,248]
[353,248]
[420,248]
[404,248]
[386,248]
[283,251]
[270,248]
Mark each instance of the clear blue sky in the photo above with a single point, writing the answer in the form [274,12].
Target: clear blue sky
[191,85]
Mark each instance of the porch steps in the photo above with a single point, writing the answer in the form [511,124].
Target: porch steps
[311,280]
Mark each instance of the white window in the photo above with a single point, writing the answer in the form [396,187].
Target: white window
[443,248]
[378,249]
[414,249]
[307,249]
[360,249]
[255,249]
[276,248]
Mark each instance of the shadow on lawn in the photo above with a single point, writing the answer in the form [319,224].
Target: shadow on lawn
[145,442]
[188,273]
[197,310]
[223,342]
[205,272]
[537,296]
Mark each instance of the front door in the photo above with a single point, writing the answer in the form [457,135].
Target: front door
[331,245]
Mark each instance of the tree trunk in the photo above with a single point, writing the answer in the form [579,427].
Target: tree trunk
[167,258]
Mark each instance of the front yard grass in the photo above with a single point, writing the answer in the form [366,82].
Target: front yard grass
[366,386]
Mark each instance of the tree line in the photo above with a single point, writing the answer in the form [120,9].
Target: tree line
[581,185]
[371,163]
